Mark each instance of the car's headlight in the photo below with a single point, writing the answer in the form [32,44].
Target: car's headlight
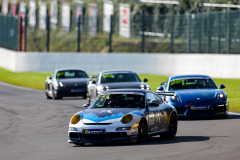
[123,128]
[126,118]
[75,119]
[72,129]
[174,99]
[56,83]
[102,89]
[220,96]
[61,84]
[147,87]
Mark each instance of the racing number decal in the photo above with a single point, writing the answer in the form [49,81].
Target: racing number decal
[154,121]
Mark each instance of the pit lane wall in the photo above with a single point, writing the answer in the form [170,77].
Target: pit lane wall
[214,65]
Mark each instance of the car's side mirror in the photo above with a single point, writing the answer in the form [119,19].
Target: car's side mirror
[49,77]
[92,82]
[160,88]
[145,80]
[222,86]
[153,105]
[163,83]
[86,105]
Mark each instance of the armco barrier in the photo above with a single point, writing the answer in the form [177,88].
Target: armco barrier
[215,65]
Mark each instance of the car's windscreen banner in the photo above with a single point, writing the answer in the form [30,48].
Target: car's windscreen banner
[189,78]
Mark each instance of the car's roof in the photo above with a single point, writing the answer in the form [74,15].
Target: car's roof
[116,71]
[128,90]
[64,69]
[190,75]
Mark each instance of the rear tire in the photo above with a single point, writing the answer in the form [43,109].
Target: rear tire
[171,133]
[142,131]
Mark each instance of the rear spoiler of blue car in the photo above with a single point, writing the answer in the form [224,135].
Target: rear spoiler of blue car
[166,93]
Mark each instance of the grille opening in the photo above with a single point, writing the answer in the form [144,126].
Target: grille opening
[119,134]
[180,110]
[200,112]
[95,136]
[73,135]
[219,109]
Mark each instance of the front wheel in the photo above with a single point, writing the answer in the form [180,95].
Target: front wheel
[142,131]
[54,96]
[47,96]
[172,127]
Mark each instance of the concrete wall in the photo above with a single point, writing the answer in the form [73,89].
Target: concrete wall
[215,65]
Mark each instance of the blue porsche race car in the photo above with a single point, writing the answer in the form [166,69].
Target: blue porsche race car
[123,115]
[195,95]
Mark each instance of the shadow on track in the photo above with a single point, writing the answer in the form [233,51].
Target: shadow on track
[154,141]
[210,118]
[69,98]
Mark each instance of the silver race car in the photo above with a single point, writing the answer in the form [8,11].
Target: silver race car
[123,115]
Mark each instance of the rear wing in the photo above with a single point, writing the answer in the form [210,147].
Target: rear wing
[166,93]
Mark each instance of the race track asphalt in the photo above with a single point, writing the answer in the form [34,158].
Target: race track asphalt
[34,128]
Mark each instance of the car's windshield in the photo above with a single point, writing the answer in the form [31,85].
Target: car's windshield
[192,83]
[71,74]
[119,77]
[119,100]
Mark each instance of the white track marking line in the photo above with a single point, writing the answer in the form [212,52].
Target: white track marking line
[234,113]
[24,88]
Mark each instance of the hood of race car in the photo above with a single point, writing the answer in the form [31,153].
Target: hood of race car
[197,94]
[107,115]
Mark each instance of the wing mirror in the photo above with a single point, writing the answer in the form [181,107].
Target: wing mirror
[163,83]
[49,77]
[86,105]
[153,105]
[145,80]
[222,86]
[92,82]
[160,88]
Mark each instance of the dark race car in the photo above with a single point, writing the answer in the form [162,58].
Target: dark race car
[118,79]
[67,83]
[195,95]
[123,115]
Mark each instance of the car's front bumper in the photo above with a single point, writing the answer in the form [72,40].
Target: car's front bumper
[213,110]
[109,137]
[70,92]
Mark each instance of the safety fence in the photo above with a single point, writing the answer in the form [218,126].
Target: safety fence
[217,32]
[9,37]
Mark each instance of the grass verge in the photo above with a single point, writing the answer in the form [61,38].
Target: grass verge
[36,81]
